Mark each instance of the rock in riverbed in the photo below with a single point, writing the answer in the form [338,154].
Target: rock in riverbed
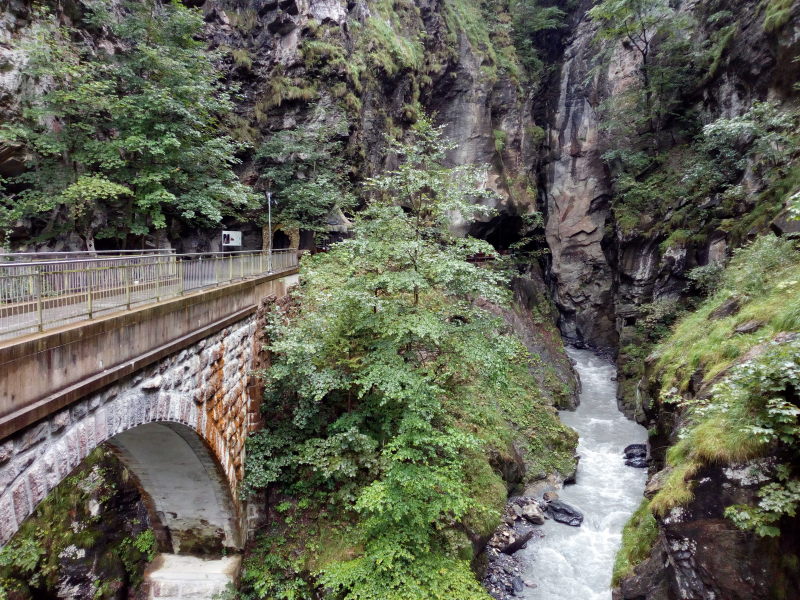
[503,579]
[564,513]
[636,455]
[635,451]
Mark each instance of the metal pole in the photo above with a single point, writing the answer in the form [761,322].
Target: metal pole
[89,293]
[269,227]
[39,311]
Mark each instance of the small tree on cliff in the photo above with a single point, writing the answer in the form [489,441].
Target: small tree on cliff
[652,29]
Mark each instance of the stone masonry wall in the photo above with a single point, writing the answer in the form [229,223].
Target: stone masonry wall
[204,387]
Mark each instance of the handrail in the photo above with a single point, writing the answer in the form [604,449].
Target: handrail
[36,296]
[69,254]
[117,258]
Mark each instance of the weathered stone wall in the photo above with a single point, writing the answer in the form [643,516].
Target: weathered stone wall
[203,388]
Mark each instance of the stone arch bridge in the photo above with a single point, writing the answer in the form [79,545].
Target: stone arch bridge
[169,387]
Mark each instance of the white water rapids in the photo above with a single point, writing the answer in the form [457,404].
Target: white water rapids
[575,563]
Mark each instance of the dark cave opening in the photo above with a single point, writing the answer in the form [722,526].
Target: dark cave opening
[502,231]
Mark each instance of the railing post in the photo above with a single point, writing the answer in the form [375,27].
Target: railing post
[39,311]
[269,261]
[89,293]
[230,267]
[127,270]
[158,279]
[181,282]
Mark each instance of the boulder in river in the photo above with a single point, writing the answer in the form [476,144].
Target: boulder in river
[533,514]
[635,451]
[550,496]
[637,462]
[564,513]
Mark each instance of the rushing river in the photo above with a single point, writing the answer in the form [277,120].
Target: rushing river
[575,563]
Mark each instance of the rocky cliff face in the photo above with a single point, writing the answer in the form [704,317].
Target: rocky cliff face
[618,286]
[602,275]
[698,553]
[577,193]
[366,68]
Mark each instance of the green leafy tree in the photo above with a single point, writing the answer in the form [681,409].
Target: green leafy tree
[384,343]
[306,172]
[529,18]
[123,139]
[635,117]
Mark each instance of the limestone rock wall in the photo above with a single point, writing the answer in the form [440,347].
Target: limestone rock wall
[601,276]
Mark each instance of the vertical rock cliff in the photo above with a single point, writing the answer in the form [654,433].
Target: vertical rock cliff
[577,193]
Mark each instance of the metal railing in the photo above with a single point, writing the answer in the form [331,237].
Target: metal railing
[36,295]
[78,254]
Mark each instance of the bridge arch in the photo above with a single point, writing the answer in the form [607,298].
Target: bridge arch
[190,502]
[179,425]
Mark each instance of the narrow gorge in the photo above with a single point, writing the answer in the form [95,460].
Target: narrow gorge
[439,299]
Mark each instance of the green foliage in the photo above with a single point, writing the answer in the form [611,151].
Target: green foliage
[389,42]
[752,409]
[242,58]
[653,29]
[638,537]
[306,171]
[529,18]
[765,138]
[767,388]
[121,141]
[764,277]
[706,278]
[777,13]
[499,140]
[776,500]
[65,523]
[372,398]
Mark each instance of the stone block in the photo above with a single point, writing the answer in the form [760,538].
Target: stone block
[22,505]
[8,473]
[152,384]
[37,484]
[60,451]
[8,519]
[111,393]
[6,451]
[33,436]
[101,425]
[84,441]
[79,410]
[73,451]
[51,469]
[60,420]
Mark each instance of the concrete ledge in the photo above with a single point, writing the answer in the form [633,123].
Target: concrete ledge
[43,373]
